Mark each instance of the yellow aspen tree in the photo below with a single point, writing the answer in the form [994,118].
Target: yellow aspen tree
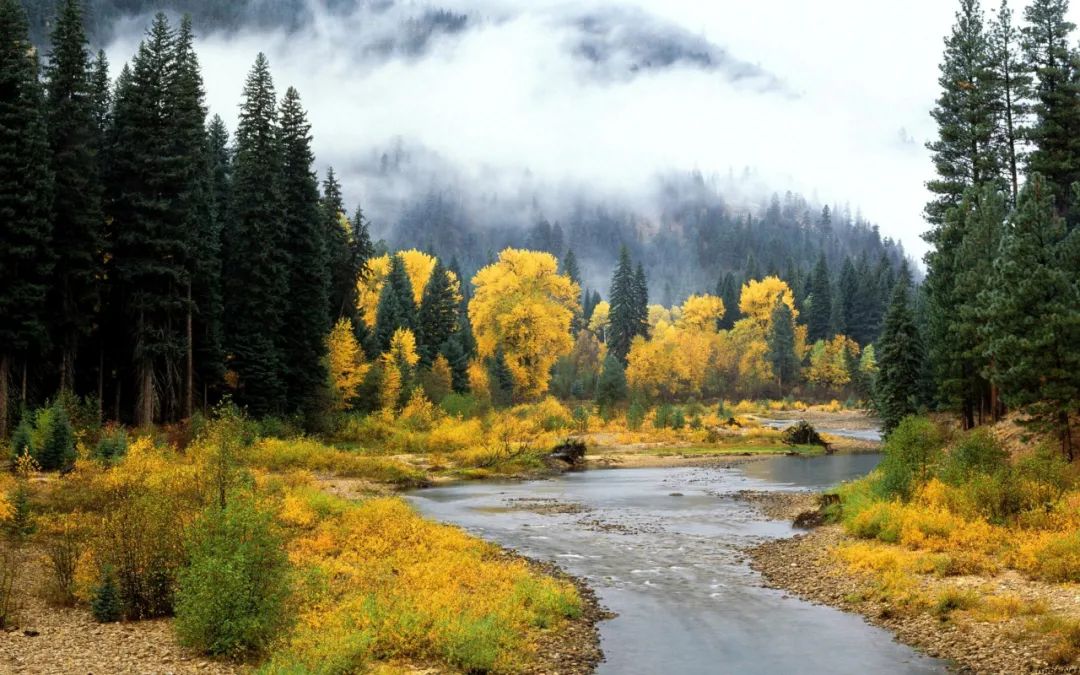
[345,364]
[524,307]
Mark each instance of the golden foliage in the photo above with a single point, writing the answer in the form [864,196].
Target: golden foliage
[345,364]
[701,312]
[524,306]
[600,320]
[758,299]
[829,361]
[418,267]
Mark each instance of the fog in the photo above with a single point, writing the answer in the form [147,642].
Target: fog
[525,97]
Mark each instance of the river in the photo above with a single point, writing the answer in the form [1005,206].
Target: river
[662,549]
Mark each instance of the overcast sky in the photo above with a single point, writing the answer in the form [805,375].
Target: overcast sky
[830,98]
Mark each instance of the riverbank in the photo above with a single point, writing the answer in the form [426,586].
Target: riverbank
[1004,623]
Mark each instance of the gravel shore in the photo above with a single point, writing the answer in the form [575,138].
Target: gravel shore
[804,567]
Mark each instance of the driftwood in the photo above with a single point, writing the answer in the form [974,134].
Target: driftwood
[571,451]
[804,433]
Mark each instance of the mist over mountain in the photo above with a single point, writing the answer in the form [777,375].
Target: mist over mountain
[688,226]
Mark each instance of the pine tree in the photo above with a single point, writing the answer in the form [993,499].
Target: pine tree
[209,338]
[624,299]
[1012,82]
[77,210]
[781,347]
[964,153]
[641,302]
[846,307]
[25,197]
[501,380]
[1056,129]
[397,306]
[611,386]
[728,291]
[819,312]
[307,313]
[458,359]
[899,354]
[151,248]
[571,269]
[256,262]
[1032,312]
[342,300]
[436,320]
[195,212]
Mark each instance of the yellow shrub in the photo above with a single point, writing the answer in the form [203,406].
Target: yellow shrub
[392,583]
[452,435]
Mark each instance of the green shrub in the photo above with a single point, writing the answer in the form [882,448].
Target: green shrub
[57,451]
[910,451]
[230,599]
[22,439]
[105,602]
[662,420]
[678,419]
[635,416]
[464,406]
[978,453]
[111,447]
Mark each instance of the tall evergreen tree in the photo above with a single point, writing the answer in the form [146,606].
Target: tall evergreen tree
[1056,129]
[964,153]
[819,312]
[25,198]
[342,299]
[641,302]
[397,307]
[728,291]
[307,313]
[209,339]
[437,317]
[151,249]
[623,299]
[256,262]
[900,357]
[1032,312]
[781,347]
[77,211]
[1012,82]
[194,210]
[571,269]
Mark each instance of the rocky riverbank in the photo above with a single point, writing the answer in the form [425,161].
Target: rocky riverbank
[805,566]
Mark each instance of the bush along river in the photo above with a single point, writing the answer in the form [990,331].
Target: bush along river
[662,548]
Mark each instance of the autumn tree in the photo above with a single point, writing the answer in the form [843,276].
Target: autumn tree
[523,307]
[345,364]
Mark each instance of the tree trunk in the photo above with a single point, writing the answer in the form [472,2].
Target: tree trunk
[101,383]
[189,385]
[22,392]
[145,404]
[1066,434]
[5,372]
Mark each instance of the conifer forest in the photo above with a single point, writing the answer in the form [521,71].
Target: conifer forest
[346,337]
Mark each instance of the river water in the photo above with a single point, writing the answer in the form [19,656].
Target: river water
[661,548]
